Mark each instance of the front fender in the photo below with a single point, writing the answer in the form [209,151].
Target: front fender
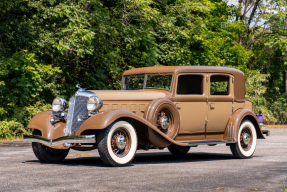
[106,118]
[41,122]
[232,128]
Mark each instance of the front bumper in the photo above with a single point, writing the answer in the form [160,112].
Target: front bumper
[61,140]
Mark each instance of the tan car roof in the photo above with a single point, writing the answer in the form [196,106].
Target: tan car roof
[180,69]
[239,80]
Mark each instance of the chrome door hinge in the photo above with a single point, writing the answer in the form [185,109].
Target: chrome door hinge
[207,99]
[232,108]
[232,79]
[206,122]
[206,78]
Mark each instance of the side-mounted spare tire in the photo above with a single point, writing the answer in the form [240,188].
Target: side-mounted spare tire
[163,114]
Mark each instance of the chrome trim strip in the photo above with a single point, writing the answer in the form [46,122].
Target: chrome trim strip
[60,140]
[195,143]
[68,129]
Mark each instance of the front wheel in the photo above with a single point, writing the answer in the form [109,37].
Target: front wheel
[117,144]
[48,154]
[246,141]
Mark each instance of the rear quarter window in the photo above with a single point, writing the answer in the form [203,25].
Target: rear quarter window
[219,85]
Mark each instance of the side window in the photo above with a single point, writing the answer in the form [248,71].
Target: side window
[219,85]
[190,85]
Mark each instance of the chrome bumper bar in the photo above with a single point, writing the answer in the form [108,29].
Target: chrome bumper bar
[60,140]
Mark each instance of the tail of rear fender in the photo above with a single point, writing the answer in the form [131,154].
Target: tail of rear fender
[106,118]
[232,128]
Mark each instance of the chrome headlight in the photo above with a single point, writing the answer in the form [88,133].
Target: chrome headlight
[94,103]
[59,104]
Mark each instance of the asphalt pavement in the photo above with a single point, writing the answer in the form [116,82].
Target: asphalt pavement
[204,168]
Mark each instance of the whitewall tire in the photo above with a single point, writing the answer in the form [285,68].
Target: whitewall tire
[117,144]
[246,141]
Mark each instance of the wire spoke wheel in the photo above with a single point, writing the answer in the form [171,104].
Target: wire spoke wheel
[246,141]
[246,138]
[117,144]
[121,142]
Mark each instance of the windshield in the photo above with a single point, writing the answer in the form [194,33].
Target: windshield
[148,81]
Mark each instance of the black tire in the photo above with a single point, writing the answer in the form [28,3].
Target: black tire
[111,151]
[178,151]
[246,141]
[47,154]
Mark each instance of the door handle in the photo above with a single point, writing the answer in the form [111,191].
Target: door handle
[211,107]
[177,106]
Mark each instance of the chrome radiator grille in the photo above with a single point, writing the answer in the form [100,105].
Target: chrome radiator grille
[77,106]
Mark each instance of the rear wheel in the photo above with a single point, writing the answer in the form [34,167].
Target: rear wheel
[117,144]
[48,154]
[246,141]
[178,150]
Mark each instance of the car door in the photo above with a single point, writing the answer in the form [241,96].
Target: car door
[191,97]
[220,101]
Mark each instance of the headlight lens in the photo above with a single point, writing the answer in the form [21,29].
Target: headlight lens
[94,103]
[59,104]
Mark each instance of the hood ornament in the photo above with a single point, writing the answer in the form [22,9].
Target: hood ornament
[80,88]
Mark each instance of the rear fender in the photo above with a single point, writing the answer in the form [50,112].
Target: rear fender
[106,118]
[41,122]
[232,128]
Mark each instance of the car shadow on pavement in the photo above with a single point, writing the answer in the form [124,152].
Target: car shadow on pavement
[166,157]
[146,158]
[79,161]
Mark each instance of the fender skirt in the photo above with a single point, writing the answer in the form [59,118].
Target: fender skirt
[106,118]
[233,125]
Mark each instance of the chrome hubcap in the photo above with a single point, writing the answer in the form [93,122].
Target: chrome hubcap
[164,122]
[121,142]
[246,138]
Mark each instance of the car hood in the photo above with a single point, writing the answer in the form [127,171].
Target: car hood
[129,95]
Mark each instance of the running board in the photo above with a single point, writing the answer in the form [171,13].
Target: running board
[213,142]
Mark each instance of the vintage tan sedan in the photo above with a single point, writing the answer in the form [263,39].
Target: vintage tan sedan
[173,106]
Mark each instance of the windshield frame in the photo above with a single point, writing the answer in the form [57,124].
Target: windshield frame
[145,80]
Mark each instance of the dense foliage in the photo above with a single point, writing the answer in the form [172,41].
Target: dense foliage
[48,46]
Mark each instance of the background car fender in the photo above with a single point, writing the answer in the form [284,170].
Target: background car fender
[106,118]
[41,122]
[232,128]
